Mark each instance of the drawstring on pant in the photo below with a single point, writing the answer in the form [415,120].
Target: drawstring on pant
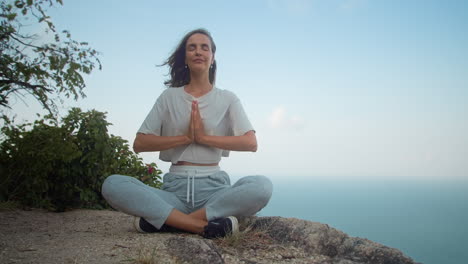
[191,174]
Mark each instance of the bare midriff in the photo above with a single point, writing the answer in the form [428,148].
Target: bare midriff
[186,163]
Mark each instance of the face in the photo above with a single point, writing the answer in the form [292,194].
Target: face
[198,53]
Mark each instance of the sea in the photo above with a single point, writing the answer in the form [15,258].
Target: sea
[426,219]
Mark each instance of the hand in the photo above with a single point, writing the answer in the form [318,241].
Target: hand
[196,127]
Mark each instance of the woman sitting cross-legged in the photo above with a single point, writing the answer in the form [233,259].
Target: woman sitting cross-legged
[192,124]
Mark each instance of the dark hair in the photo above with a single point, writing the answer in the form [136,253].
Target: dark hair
[180,75]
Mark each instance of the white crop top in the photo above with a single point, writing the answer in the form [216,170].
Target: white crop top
[222,114]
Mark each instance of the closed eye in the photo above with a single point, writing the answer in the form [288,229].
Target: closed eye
[191,47]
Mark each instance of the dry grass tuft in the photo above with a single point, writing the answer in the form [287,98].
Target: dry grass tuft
[146,256]
[250,236]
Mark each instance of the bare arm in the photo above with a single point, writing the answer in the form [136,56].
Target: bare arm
[148,142]
[246,142]
[196,133]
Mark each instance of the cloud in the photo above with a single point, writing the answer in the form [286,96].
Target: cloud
[279,118]
[276,118]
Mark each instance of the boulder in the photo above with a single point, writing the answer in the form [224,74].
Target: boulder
[104,236]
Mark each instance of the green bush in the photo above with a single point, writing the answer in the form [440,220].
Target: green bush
[59,165]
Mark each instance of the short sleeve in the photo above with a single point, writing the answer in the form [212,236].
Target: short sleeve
[153,121]
[239,122]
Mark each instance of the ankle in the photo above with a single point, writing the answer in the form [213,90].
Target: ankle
[199,214]
[200,226]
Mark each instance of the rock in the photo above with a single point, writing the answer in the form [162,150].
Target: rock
[193,250]
[92,236]
[320,239]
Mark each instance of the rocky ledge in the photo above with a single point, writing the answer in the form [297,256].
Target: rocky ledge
[88,236]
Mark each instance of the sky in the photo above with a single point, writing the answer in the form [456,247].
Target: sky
[334,88]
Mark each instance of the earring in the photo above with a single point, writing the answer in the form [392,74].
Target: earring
[211,67]
[186,66]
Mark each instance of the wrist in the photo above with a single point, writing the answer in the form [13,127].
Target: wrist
[203,139]
[187,140]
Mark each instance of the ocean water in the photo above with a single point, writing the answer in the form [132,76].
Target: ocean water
[426,220]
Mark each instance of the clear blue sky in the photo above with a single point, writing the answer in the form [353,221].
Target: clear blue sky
[334,88]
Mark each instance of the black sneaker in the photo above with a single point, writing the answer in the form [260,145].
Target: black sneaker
[221,227]
[143,226]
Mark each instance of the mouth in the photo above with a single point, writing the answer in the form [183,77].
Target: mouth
[198,61]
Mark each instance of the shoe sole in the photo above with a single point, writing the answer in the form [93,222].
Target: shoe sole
[235,224]
[136,224]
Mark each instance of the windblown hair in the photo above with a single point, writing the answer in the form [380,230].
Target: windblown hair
[180,75]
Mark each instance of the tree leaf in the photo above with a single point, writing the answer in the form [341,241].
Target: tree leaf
[28,66]
[11,16]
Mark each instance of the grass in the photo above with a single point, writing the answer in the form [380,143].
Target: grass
[251,235]
[146,256]
[9,205]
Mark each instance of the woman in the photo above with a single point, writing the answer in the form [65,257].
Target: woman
[192,124]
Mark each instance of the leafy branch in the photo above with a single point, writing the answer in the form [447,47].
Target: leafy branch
[42,68]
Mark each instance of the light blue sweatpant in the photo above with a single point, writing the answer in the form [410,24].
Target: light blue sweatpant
[187,189]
